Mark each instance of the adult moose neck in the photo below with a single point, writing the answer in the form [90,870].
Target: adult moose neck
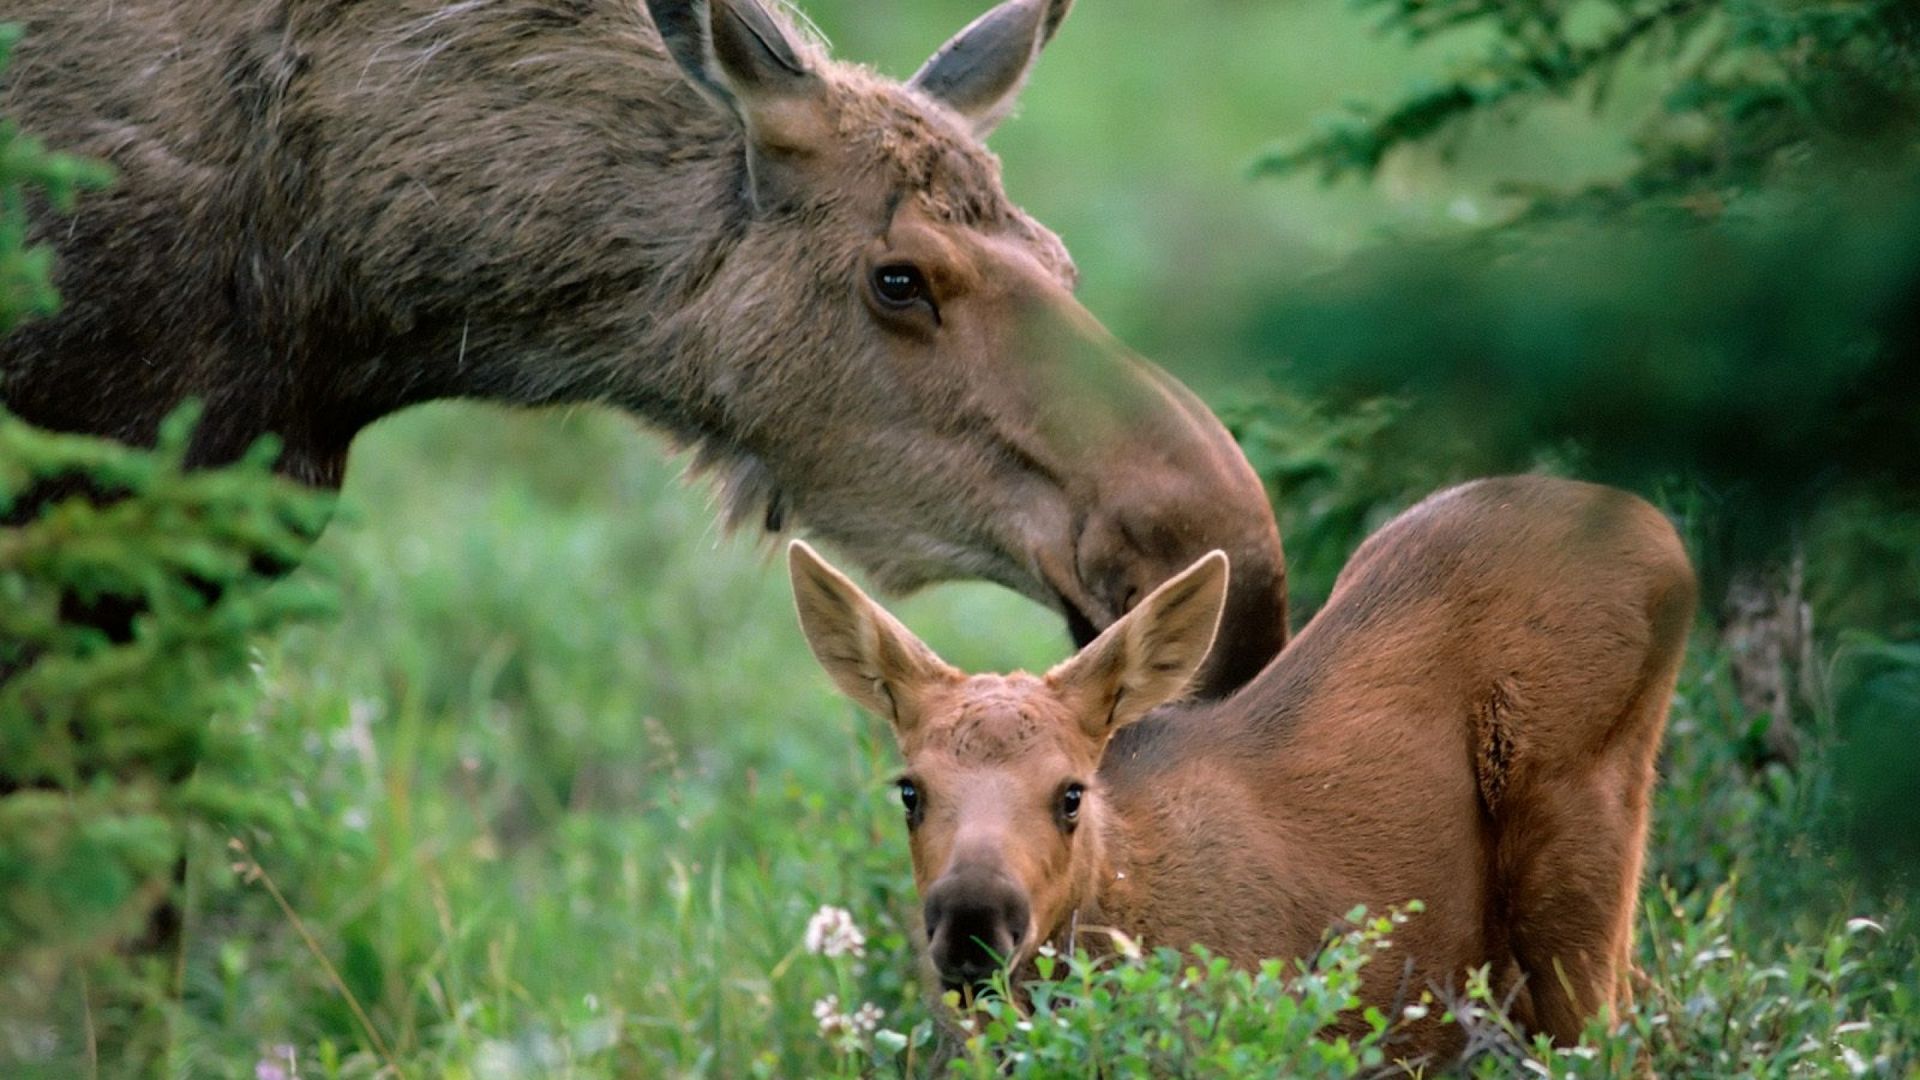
[809,272]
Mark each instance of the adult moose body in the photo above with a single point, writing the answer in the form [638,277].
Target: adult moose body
[1471,721]
[328,211]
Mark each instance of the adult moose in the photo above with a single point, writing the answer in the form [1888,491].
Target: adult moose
[329,211]
[1470,721]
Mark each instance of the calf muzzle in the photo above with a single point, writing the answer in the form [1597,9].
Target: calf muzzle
[976,922]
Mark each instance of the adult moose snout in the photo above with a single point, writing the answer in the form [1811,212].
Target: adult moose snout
[976,921]
[1162,484]
[1186,492]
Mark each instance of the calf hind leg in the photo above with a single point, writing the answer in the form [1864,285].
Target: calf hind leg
[1572,868]
[1572,837]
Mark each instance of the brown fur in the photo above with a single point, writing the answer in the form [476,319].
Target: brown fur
[1471,721]
[329,210]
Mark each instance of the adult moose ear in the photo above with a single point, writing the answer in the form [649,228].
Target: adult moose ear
[1149,656]
[871,657]
[744,60]
[979,73]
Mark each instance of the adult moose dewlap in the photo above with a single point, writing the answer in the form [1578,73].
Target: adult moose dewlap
[810,273]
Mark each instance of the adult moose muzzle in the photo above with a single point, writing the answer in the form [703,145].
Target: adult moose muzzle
[326,213]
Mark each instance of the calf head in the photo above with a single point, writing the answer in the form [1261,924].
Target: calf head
[1003,804]
[906,371]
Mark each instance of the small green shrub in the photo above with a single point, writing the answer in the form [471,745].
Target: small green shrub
[110,750]
[1712,1003]
[132,592]
[1715,1004]
[1173,1014]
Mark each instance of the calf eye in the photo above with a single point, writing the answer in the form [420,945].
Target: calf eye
[1070,798]
[910,798]
[900,285]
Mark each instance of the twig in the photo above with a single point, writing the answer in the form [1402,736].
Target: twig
[250,869]
[93,1039]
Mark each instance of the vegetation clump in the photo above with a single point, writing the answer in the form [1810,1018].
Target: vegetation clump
[133,598]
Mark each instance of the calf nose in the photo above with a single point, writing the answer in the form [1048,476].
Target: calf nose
[975,923]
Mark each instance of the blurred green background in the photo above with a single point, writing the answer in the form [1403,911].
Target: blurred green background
[567,785]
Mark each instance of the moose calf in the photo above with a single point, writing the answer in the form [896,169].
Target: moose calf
[1471,721]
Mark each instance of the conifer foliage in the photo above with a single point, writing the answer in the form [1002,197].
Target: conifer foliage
[131,588]
[1749,91]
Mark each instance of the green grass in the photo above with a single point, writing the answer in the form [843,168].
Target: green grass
[574,783]
[570,778]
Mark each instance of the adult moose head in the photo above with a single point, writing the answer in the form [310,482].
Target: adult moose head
[329,212]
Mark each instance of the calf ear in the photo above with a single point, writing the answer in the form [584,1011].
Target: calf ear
[871,657]
[1148,657]
[979,73]
[744,59]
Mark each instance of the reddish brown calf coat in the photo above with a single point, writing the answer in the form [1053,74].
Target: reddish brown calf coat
[1471,721]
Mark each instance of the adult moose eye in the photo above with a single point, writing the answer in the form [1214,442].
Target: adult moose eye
[900,285]
[1070,798]
[910,799]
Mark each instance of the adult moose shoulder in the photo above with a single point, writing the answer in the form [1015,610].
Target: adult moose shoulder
[327,212]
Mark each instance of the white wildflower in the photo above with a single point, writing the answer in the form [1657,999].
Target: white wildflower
[1712,956]
[827,1012]
[836,1024]
[279,1063]
[1853,1026]
[1414,1012]
[831,932]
